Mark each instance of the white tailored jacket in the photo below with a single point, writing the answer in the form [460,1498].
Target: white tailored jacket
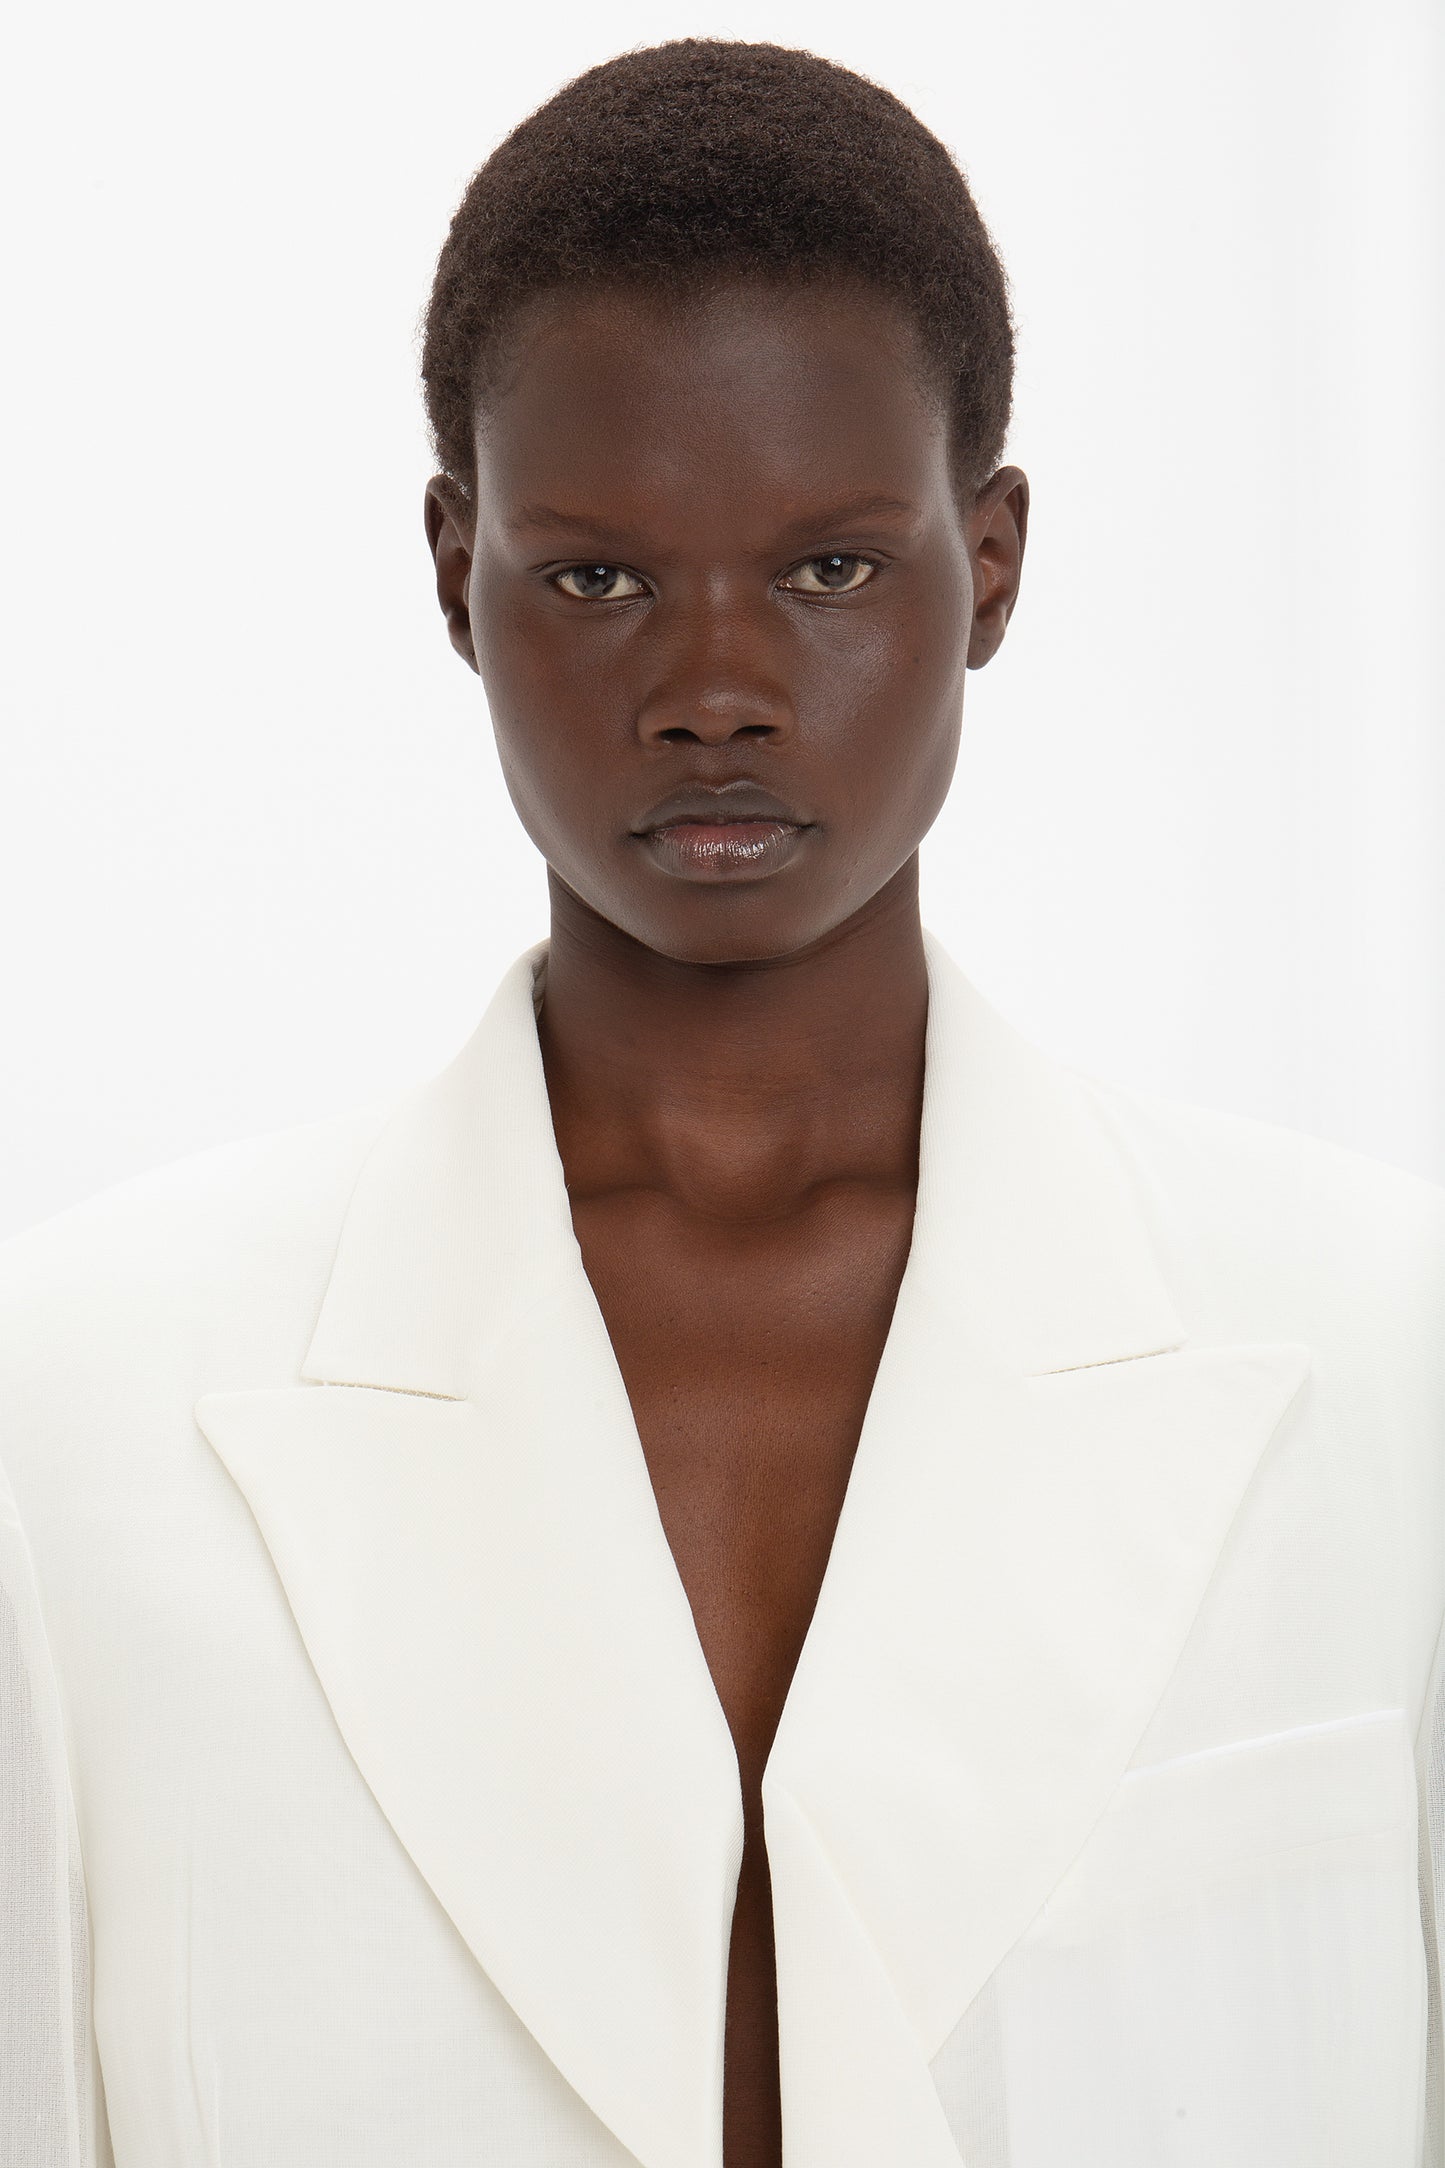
[366,1799]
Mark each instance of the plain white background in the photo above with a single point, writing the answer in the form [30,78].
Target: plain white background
[258,862]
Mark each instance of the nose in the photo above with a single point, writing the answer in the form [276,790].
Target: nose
[719,674]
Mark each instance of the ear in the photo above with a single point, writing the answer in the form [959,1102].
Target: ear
[997,528]
[451,532]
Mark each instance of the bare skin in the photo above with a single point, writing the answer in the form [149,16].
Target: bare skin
[733,1045]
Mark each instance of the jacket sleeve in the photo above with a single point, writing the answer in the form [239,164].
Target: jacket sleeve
[1430,1760]
[52,2112]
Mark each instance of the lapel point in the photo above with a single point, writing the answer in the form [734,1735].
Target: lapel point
[513,1672]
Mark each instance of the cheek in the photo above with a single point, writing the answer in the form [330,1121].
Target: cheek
[547,770]
[543,747]
[900,743]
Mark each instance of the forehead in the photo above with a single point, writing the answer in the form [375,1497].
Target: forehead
[744,400]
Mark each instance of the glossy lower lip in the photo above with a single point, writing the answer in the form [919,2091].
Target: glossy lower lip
[723,850]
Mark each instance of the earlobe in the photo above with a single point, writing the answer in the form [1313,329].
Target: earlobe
[450,537]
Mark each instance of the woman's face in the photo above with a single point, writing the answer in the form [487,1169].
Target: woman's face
[716,548]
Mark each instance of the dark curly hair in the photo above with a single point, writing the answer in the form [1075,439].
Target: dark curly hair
[675,165]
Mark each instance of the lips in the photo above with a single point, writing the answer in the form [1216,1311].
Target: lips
[722,832]
[716,806]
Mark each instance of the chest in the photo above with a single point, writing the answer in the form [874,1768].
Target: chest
[749,1354]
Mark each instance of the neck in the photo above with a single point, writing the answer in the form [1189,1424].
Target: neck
[737,1088]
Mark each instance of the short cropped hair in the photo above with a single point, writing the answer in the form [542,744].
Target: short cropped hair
[677,166]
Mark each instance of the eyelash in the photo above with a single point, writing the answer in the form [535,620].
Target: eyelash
[852,557]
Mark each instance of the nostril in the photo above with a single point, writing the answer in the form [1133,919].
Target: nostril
[678,733]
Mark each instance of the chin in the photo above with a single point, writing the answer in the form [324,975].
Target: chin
[725,930]
[761,921]
[723,952]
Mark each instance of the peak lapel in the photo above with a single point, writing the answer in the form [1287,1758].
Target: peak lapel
[465,1530]
[1044,1482]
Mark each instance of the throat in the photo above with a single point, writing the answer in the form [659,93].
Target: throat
[736,1091]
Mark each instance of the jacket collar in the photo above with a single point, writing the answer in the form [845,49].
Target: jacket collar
[1024,1214]
[474,1557]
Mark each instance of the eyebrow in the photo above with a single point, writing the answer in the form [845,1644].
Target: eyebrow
[866,504]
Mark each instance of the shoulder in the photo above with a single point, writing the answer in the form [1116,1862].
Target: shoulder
[183,1255]
[1301,1236]
[1268,1236]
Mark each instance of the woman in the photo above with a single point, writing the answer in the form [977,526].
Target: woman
[754,1571]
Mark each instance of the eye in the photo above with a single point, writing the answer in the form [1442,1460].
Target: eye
[836,574]
[594,582]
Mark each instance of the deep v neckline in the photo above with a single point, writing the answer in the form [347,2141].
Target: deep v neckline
[586,1295]
[749,1492]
